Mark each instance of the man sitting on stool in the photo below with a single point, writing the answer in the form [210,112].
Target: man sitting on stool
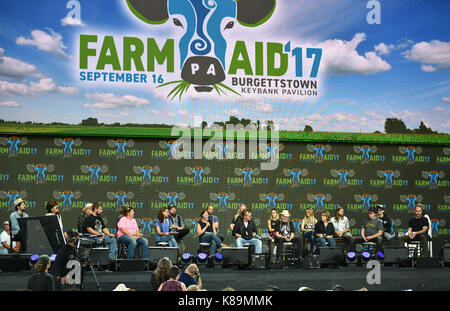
[417,229]
[285,232]
[245,232]
[371,231]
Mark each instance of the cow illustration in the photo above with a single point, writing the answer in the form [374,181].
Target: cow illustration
[412,200]
[343,176]
[67,196]
[120,197]
[173,197]
[202,48]
[120,145]
[433,176]
[147,171]
[272,199]
[173,147]
[12,195]
[366,150]
[14,142]
[41,171]
[366,199]
[94,170]
[388,175]
[198,172]
[320,199]
[248,173]
[319,149]
[68,144]
[223,198]
[411,152]
[295,174]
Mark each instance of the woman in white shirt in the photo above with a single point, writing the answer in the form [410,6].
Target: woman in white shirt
[342,227]
[6,241]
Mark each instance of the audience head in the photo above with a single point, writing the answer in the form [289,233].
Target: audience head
[192,270]
[43,263]
[174,272]
[52,207]
[87,208]
[127,210]
[192,288]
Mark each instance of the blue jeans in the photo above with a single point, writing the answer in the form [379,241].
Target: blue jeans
[311,236]
[169,239]
[322,242]
[255,242]
[131,246]
[111,242]
[216,242]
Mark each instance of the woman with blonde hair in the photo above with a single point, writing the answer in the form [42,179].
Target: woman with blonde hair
[272,222]
[161,273]
[307,227]
[238,216]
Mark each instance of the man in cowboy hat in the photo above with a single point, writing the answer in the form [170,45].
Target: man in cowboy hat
[285,232]
[19,206]
[371,231]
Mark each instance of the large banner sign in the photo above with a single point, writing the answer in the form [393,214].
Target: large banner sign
[143,174]
[352,66]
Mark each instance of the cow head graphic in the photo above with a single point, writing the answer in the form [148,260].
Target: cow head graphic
[412,200]
[202,48]
[319,149]
[248,174]
[12,195]
[68,144]
[223,198]
[41,171]
[411,152]
[67,196]
[295,174]
[320,200]
[198,173]
[146,171]
[222,148]
[433,176]
[273,149]
[366,150]
[343,176]
[173,197]
[366,199]
[271,199]
[14,142]
[173,146]
[388,175]
[120,197]
[435,223]
[94,170]
[120,145]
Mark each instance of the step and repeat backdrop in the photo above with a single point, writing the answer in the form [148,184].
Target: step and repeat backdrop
[143,174]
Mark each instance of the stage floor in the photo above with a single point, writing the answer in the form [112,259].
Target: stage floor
[351,278]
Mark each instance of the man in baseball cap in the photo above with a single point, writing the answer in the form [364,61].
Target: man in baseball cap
[371,231]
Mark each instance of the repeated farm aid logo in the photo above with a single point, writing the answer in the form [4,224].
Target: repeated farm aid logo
[68,198]
[10,196]
[223,199]
[15,146]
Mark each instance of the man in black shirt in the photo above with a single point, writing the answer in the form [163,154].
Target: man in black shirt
[245,232]
[418,229]
[94,225]
[285,232]
[66,254]
[387,223]
[42,281]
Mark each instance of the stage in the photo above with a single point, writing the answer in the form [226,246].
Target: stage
[216,279]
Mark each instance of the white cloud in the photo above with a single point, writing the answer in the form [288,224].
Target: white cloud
[383,49]
[68,90]
[15,69]
[341,57]
[264,107]
[9,104]
[51,43]
[70,21]
[433,55]
[112,101]
[46,85]
[446,99]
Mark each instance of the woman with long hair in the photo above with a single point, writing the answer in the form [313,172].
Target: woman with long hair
[172,284]
[307,227]
[237,216]
[342,227]
[162,225]
[325,230]
[128,233]
[272,222]
[206,232]
[161,273]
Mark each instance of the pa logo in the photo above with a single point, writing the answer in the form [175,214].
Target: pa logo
[146,171]
[68,144]
[319,150]
[412,200]
[12,195]
[388,176]
[320,200]
[172,197]
[433,176]
[120,197]
[198,173]
[223,198]
[202,48]
[295,174]
[271,198]
[94,170]
[120,145]
[365,150]
[41,171]
[411,152]
[14,142]
[248,174]
[366,199]
[67,196]
[343,175]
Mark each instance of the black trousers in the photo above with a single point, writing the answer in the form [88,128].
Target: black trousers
[360,240]
[298,243]
[181,234]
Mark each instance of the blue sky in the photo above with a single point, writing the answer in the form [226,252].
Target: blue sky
[399,68]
